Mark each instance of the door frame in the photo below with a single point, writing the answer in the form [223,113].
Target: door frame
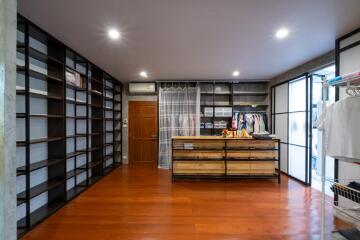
[157,126]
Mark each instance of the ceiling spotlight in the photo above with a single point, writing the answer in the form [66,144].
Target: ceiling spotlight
[114,34]
[143,74]
[282,33]
[236,73]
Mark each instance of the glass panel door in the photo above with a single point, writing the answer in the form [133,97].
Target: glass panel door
[280,119]
[298,129]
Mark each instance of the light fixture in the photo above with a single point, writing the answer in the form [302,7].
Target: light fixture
[282,33]
[143,74]
[236,73]
[113,33]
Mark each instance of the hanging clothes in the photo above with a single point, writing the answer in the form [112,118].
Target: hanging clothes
[340,121]
[256,123]
[178,116]
[235,120]
[252,122]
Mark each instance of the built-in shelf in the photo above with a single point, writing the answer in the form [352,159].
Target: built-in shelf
[41,188]
[83,151]
[251,93]
[74,154]
[74,172]
[242,96]
[95,164]
[40,164]
[40,214]
[39,75]
[73,192]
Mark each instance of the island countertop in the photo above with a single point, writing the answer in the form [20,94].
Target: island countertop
[216,138]
[225,157]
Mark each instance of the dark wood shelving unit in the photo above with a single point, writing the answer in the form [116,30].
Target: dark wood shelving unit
[229,96]
[96,150]
[117,121]
[60,124]
[76,122]
[108,98]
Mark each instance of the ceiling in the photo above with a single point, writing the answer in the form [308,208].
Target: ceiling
[196,39]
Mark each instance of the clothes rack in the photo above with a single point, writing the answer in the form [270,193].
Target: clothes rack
[351,82]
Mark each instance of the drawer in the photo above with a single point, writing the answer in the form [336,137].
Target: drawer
[234,168]
[252,144]
[263,168]
[188,154]
[263,154]
[199,144]
[238,154]
[250,167]
[251,154]
[189,167]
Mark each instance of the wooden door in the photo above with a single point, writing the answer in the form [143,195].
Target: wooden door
[143,130]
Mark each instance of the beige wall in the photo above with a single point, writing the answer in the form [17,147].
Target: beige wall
[317,63]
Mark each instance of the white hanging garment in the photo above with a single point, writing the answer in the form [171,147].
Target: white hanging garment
[342,131]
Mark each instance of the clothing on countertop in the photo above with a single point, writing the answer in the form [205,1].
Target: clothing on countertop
[342,133]
[252,122]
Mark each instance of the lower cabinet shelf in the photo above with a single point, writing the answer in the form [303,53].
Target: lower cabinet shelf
[75,191]
[40,214]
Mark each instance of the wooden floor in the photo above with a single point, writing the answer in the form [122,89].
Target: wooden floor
[140,202]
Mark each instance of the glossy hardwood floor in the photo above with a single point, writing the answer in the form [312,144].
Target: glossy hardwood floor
[140,202]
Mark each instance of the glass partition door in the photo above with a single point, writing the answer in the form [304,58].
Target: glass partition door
[298,128]
[291,123]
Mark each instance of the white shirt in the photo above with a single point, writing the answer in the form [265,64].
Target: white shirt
[341,122]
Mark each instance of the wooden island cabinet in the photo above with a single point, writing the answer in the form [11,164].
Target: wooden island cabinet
[226,158]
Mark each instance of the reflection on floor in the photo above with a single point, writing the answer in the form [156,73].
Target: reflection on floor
[141,202]
[316,183]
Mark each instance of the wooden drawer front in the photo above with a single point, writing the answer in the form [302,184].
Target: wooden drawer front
[267,144]
[200,144]
[251,167]
[238,154]
[234,168]
[188,154]
[212,167]
[263,154]
[251,154]
[263,168]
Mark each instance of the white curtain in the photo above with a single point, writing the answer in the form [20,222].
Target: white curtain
[179,115]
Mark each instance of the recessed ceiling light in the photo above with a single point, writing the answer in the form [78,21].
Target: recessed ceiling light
[282,33]
[143,74]
[113,33]
[236,73]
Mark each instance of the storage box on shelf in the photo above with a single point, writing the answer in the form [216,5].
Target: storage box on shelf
[218,157]
[57,144]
